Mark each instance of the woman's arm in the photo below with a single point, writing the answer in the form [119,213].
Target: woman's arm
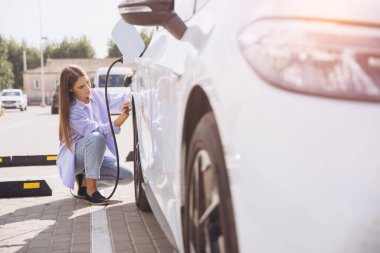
[80,122]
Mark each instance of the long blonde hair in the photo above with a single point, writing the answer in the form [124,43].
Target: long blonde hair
[69,76]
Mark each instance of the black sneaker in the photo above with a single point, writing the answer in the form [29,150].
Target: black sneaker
[96,199]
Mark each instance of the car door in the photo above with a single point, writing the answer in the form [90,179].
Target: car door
[141,88]
[164,134]
[166,59]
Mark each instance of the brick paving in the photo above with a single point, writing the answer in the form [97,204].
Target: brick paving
[62,223]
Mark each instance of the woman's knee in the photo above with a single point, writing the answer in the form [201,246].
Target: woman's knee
[97,139]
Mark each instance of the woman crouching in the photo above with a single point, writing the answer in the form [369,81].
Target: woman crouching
[87,150]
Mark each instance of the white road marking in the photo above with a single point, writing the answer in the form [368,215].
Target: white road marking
[100,233]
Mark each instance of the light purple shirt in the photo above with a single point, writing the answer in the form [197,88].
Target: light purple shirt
[83,123]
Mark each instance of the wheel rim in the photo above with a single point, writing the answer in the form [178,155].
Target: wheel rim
[204,219]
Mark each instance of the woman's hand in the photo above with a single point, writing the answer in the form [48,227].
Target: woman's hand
[125,108]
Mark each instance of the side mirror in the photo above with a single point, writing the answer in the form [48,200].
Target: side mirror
[128,40]
[153,13]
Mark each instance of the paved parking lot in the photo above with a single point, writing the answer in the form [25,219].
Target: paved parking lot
[62,223]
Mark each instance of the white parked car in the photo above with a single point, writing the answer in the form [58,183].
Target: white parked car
[257,124]
[13,98]
[116,86]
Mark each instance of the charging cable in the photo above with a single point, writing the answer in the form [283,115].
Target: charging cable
[113,132]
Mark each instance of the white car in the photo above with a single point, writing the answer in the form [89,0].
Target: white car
[115,86]
[257,124]
[14,98]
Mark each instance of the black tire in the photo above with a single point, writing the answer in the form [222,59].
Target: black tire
[207,188]
[140,197]
[54,110]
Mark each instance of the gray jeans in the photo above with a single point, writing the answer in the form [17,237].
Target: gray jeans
[90,159]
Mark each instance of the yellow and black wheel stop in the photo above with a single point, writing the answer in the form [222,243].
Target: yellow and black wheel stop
[29,188]
[28,160]
[5,161]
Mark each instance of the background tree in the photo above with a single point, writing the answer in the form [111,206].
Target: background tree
[15,56]
[33,57]
[11,57]
[70,48]
[146,34]
[113,50]
[6,73]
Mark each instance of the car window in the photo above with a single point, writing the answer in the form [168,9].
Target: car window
[11,93]
[113,81]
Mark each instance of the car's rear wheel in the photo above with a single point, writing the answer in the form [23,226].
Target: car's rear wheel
[140,197]
[208,217]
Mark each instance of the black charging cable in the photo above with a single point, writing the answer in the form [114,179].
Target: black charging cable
[113,132]
[127,81]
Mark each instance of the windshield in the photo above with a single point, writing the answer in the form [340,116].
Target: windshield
[11,93]
[113,81]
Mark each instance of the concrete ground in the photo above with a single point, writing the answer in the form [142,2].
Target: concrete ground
[62,223]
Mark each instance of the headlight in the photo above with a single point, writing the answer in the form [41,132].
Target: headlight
[315,57]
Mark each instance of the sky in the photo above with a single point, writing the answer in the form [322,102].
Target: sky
[20,19]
